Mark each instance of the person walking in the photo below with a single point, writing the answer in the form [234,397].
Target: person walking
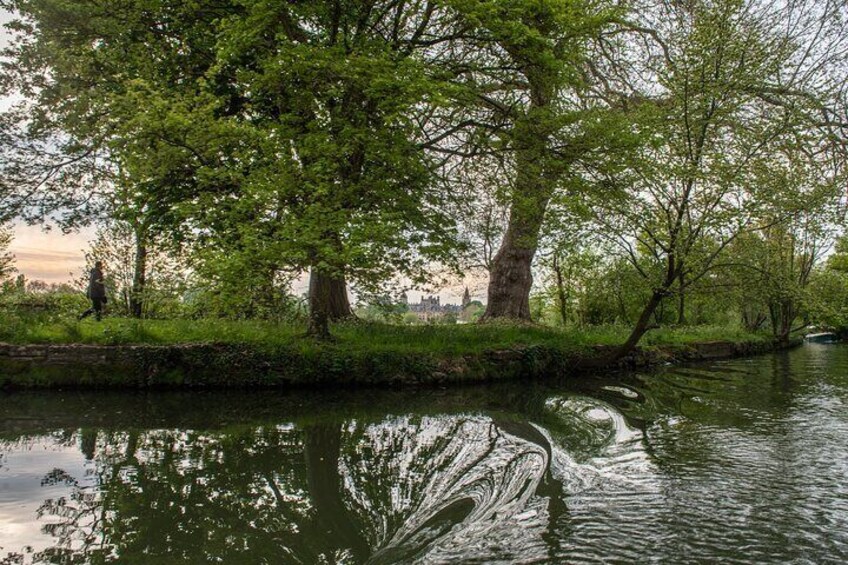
[96,292]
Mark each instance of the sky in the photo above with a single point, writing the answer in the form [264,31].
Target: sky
[48,256]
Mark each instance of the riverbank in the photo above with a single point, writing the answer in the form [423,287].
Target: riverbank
[125,354]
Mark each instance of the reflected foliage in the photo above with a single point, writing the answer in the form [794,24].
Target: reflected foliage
[383,492]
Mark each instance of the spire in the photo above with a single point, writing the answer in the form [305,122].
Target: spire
[466,298]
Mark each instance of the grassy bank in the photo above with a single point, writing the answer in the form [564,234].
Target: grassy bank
[440,339]
[145,354]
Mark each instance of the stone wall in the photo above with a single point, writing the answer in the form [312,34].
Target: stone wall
[211,365]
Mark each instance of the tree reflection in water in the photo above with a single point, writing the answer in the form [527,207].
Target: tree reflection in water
[405,488]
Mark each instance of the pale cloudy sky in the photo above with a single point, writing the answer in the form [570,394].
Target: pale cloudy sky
[49,256]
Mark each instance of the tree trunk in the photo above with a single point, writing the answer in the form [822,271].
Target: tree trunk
[659,312]
[775,322]
[139,277]
[643,323]
[782,317]
[787,319]
[681,300]
[510,278]
[563,308]
[752,320]
[328,302]
[641,327]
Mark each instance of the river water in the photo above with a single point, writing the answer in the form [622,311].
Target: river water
[743,461]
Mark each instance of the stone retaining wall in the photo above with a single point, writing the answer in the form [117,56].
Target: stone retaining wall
[221,365]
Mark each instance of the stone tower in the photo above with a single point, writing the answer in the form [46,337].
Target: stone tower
[466,298]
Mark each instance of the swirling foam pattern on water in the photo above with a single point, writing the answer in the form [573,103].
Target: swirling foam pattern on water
[739,462]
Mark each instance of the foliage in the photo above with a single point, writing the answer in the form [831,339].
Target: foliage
[827,300]
[725,151]
[311,131]
[772,269]
[674,163]
[385,311]
[827,293]
[24,312]
[234,286]
[473,312]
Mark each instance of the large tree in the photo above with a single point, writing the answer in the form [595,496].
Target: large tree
[288,123]
[333,89]
[532,79]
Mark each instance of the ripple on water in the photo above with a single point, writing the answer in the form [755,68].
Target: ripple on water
[765,484]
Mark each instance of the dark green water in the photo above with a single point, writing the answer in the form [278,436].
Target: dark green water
[737,462]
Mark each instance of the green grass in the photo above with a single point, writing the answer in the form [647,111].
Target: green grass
[261,354]
[359,336]
[696,334]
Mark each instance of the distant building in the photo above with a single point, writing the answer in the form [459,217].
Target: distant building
[430,308]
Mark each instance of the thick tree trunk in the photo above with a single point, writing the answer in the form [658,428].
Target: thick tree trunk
[328,302]
[510,278]
[319,324]
[783,317]
[332,290]
[139,278]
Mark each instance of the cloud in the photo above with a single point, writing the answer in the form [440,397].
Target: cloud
[50,256]
[24,254]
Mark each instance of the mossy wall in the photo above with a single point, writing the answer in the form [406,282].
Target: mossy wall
[229,366]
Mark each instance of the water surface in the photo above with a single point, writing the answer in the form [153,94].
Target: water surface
[743,461]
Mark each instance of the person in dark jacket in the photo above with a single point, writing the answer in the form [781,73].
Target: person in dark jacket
[96,292]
